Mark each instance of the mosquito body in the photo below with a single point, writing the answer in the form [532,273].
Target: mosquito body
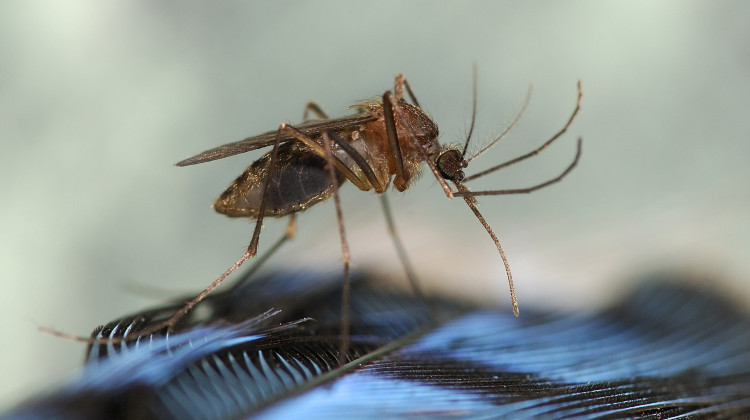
[361,153]
[384,142]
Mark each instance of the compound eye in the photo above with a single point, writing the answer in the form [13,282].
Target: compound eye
[449,163]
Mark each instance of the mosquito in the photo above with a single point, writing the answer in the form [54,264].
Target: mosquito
[385,141]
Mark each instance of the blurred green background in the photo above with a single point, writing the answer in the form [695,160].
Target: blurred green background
[99,100]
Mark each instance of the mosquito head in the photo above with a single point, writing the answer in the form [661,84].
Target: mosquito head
[450,162]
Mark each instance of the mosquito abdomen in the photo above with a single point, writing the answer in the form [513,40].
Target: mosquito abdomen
[299,180]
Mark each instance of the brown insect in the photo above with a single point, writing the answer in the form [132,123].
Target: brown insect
[385,141]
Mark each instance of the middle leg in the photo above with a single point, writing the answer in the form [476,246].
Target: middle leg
[345,326]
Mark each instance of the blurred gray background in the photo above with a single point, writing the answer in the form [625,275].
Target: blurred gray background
[99,100]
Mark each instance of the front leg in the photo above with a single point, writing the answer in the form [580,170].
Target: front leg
[316,109]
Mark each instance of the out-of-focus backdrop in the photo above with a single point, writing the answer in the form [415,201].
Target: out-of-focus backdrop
[99,100]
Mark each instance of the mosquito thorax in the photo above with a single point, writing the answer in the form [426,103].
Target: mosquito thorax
[425,130]
[450,163]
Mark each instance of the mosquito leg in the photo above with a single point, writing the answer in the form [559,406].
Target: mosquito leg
[289,233]
[318,149]
[398,86]
[346,288]
[529,189]
[398,89]
[347,148]
[410,275]
[372,179]
[360,161]
[316,109]
[315,147]
[540,148]
[251,250]
[472,202]
[170,323]
[390,128]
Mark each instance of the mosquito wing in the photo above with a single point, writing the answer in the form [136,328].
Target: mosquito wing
[310,128]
